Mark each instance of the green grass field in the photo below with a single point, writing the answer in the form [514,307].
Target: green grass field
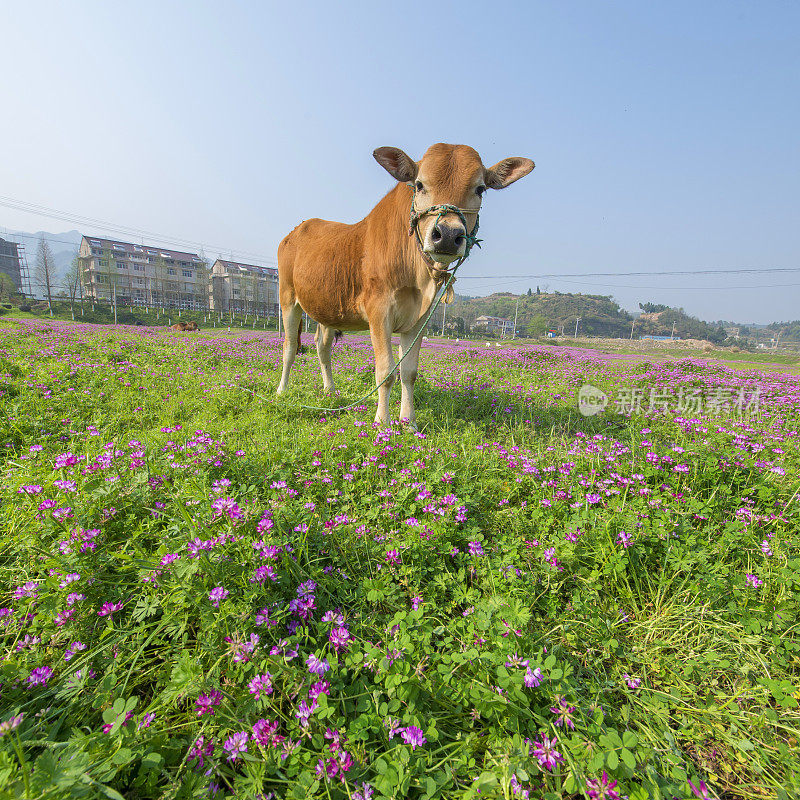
[206,591]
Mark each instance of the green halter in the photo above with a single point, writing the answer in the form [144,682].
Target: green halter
[442,210]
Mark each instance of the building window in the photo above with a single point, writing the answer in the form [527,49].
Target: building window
[121,265]
[171,271]
[187,273]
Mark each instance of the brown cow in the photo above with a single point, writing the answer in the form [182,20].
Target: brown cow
[383,272]
[184,326]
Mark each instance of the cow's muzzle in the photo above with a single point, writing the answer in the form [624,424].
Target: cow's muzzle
[446,240]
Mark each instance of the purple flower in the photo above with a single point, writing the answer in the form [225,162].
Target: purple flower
[65,460]
[263,731]
[205,702]
[27,589]
[11,724]
[701,791]
[602,788]
[236,745]
[392,726]
[364,792]
[31,489]
[228,507]
[68,579]
[392,557]
[201,750]
[633,683]
[413,736]
[320,687]
[415,602]
[304,711]
[545,752]
[532,678]
[317,666]
[261,684]
[108,609]
[754,581]
[217,594]
[74,648]
[475,549]
[39,676]
[307,588]
[624,539]
[563,712]
[339,637]
[593,498]
[146,721]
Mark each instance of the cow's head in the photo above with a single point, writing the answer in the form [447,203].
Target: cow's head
[449,174]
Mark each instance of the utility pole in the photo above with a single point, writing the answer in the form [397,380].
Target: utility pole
[632,324]
[672,335]
[515,319]
[577,320]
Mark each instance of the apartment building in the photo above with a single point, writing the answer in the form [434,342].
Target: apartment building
[245,288]
[10,262]
[497,325]
[142,274]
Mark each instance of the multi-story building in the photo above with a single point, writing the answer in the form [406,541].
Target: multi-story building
[498,325]
[10,262]
[244,287]
[143,275]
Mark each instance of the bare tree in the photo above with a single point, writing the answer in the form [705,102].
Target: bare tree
[111,275]
[72,283]
[46,271]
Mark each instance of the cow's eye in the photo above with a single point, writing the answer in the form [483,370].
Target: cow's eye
[419,187]
[479,190]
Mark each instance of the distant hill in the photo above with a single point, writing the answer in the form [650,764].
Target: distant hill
[64,246]
[600,315]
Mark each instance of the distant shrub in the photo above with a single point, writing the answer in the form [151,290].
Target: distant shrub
[25,307]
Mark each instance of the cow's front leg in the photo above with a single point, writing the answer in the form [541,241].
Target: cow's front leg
[409,353]
[381,335]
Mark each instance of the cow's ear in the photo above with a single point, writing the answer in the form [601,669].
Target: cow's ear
[400,166]
[505,172]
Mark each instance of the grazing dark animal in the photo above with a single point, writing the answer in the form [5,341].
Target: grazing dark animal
[184,326]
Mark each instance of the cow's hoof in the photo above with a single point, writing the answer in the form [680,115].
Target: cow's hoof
[410,424]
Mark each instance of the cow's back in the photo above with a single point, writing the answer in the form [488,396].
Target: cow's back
[320,263]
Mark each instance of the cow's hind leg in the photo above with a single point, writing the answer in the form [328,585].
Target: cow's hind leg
[292,319]
[381,335]
[324,339]
[408,375]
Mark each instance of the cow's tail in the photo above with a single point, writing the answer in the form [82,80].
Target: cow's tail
[300,348]
[336,336]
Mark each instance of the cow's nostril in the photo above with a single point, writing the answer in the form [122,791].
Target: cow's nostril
[436,234]
[459,240]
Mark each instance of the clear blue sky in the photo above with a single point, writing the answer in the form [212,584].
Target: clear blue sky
[665,134]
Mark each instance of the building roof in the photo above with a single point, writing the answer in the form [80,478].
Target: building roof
[499,320]
[129,248]
[235,266]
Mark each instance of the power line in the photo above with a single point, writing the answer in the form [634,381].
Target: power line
[76,219]
[737,271]
[125,230]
